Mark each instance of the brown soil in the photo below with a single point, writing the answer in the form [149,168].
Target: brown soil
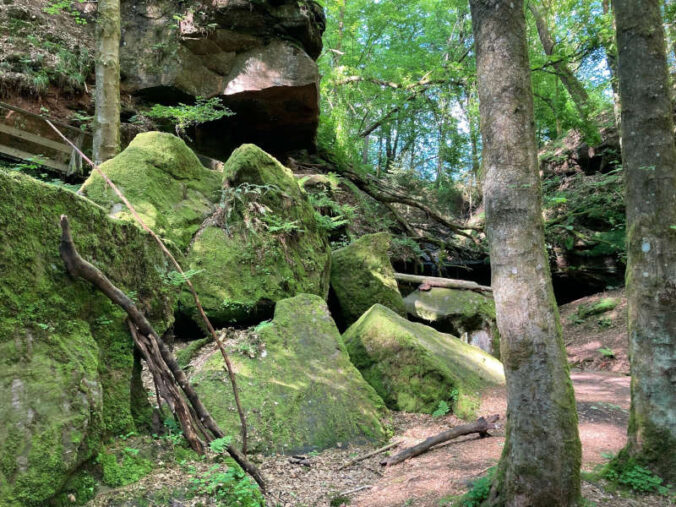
[584,337]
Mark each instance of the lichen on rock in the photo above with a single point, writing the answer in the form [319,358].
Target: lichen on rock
[263,243]
[69,377]
[413,367]
[164,181]
[300,392]
[362,275]
[463,313]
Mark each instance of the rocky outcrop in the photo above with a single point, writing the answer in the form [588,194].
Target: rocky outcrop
[361,276]
[263,243]
[297,385]
[69,375]
[414,367]
[463,313]
[164,181]
[258,56]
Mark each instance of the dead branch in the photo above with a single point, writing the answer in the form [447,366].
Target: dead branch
[78,267]
[481,426]
[427,282]
[370,454]
[390,195]
[198,304]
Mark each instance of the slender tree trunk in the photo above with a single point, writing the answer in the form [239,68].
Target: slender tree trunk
[540,463]
[649,159]
[611,58]
[570,81]
[365,150]
[107,119]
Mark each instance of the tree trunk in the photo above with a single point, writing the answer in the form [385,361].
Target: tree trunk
[540,463]
[365,150]
[649,159]
[573,85]
[107,119]
[611,59]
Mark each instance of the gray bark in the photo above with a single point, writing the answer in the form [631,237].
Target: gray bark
[107,118]
[649,158]
[540,464]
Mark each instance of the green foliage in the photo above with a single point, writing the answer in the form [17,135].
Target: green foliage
[479,490]
[177,279]
[184,116]
[331,215]
[227,488]
[607,352]
[58,6]
[627,473]
[220,445]
[442,409]
[339,500]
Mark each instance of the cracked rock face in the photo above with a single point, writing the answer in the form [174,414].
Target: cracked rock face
[259,56]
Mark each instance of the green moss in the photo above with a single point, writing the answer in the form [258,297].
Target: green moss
[361,276]
[122,468]
[185,355]
[164,180]
[245,264]
[602,306]
[303,393]
[413,367]
[65,351]
[457,312]
[82,486]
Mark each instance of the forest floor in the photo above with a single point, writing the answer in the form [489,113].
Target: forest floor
[432,479]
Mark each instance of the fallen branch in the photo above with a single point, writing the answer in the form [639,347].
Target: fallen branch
[150,346]
[427,282]
[366,456]
[481,426]
[355,490]
[198,304]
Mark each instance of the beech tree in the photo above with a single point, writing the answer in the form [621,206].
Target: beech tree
[107,118]
[649,158]
[540,464]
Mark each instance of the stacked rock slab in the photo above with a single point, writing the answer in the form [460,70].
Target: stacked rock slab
[300,390]
[362,275]
[463,313]
[262,244]
[259,57]
[414,367]
[69,376]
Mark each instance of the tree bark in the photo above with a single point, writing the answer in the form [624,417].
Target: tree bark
[649,159]
[574,86]
[540,463]
[107,97]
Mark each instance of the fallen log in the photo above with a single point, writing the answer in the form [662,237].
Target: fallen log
[481,426]
[154,349]
[427,282]
[370,454]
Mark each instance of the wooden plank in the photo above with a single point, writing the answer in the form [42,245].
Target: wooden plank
[16,153]
[42,141]
[4,105]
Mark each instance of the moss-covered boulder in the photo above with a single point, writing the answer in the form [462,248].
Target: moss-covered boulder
[262,245]
[300,390]
[414,367]
[69,378]
[463,313]
[362,275]
[164,181]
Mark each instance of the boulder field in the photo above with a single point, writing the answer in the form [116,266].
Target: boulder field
[250,241]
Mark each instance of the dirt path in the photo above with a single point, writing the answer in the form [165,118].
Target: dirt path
[603,403]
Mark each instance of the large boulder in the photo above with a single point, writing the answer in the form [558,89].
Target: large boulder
[263,243]
[414,367]
[164,181]
[463,313]
[69,377]
[298,387]
[362,275]
[259,57]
